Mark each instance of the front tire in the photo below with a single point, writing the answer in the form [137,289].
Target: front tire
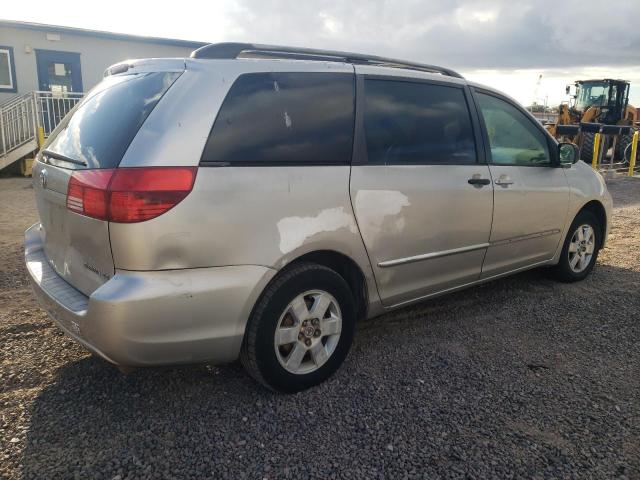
[301,329]
[586,148]
[580,249]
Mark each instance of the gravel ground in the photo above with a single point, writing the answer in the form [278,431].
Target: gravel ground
[522,377]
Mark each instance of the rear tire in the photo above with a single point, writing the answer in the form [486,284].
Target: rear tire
[580,249]
[300,330]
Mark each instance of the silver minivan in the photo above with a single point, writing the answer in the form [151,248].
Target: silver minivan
[255,201]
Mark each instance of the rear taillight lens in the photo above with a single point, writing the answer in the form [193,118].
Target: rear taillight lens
[127,195]
[87,192]
[138,194]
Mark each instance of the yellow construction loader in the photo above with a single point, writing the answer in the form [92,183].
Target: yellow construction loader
[604,102]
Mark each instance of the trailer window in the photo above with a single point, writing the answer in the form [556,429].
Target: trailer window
[7,70]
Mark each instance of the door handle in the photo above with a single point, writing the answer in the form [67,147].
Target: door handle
[479,181]
[504,181]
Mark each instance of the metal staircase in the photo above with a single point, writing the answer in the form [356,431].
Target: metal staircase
[27,119]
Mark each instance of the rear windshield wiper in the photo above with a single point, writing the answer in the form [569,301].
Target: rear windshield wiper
[58,156]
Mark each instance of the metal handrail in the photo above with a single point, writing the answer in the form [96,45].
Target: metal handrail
[24,117]
[52,107]
[14,100]
[16,123]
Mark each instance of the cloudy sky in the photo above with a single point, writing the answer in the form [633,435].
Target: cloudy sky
[504,43]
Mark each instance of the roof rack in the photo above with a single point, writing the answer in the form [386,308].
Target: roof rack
[230,50]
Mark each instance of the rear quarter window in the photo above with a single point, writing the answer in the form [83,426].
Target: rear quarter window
[98,132]
[284,119]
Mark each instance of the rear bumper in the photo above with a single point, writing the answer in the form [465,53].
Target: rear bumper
[152,318]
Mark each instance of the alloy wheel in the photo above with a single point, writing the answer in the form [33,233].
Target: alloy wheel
[581,248]
[308,332]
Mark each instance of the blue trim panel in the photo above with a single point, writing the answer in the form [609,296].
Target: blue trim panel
[12,67]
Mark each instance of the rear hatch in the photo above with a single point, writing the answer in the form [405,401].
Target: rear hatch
[89,142]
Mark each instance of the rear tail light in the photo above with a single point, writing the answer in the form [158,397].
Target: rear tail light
[128,195]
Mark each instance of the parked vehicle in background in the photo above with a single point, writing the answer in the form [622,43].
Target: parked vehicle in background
[255,201]
[601,102]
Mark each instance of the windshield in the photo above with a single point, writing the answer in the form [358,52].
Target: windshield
[592,94]
[97,133]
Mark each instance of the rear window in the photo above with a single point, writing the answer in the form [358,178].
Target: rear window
[99,131]
[417,123]
[284,118]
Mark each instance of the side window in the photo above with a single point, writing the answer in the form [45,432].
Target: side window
[417,123]
[285,118]
[513,138]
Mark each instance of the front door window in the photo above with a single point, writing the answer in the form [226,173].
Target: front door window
[513,138]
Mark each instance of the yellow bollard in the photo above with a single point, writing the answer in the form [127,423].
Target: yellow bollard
[40,137]
[596,150]
[634,151]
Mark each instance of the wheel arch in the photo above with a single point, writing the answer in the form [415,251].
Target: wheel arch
[344,266]
[597,209]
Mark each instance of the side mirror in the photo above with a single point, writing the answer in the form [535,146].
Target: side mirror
[568,89]
[568,154]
